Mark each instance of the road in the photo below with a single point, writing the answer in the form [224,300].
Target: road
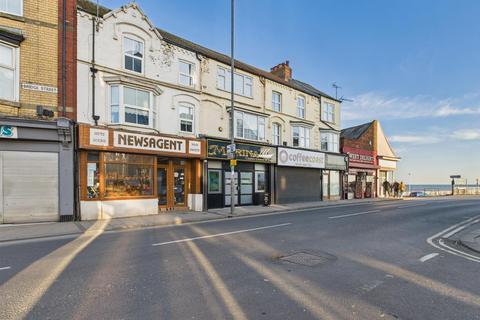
[362,261]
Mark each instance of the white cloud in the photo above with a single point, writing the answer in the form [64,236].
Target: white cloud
[466,134]
[415,139]
[374,105]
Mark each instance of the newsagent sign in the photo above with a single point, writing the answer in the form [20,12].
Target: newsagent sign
[147,142]
[300,158]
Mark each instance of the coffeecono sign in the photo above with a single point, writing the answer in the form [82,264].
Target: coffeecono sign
[300,158]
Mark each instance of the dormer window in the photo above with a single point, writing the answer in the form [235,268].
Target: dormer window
[133,54]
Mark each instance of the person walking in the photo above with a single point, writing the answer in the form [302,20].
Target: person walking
[387,188]
[396,189]
[402,188]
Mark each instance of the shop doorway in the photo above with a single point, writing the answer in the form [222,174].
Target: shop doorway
[243,191]
[172,185]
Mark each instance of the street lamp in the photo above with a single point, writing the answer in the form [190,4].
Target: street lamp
[232,106]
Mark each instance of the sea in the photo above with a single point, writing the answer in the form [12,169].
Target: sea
[435,187]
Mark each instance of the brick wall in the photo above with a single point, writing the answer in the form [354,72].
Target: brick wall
[367,141]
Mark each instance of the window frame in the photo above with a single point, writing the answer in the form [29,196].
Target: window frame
[247,82]
[259,125]
[20,14]
[190,76]
[180,119]
[333,144]
[301,110]
[305,137]
[220,182]
[152,114]
[15,68]
[277,105]
[124,53]
[328,112]
[278,136]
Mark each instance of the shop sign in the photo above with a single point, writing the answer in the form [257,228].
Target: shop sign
[243,152]
[301,158]
[147,142]
[8,132]
[194,147]
[99,137]
[336,162]
[360,156]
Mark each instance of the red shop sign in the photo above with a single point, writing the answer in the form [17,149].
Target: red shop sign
[360,156]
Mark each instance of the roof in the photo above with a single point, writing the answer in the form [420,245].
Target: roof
[91,8]
[356,132]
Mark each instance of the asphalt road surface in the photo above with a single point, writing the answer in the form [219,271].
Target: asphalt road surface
[362,261]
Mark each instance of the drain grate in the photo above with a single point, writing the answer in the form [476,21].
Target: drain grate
[306,259]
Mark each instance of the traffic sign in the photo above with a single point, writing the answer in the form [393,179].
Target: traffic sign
[457,176]
[231,148]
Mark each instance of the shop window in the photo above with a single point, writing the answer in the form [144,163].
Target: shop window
[301,137]
[260,181]
[186,70]
[133,54]
[329,141]
[93,175]
[249,126]
[214,181]
[8,72]
[186,115]
[11,6]
[334,184]
[128,175]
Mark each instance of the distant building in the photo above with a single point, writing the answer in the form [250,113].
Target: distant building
[371,160]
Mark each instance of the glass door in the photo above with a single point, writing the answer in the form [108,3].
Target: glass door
[179,186]
[246,188]
[228,183]
[162,177]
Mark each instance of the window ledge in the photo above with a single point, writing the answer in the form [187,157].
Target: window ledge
[10,103]
[12,16]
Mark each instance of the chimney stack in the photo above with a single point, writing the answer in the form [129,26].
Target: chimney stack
[282,70]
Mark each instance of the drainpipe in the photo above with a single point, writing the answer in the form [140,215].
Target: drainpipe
[93,69]
[64,59]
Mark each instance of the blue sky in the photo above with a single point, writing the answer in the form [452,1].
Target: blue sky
[414,65]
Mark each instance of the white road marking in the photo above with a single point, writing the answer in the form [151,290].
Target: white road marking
[428,257]
[5,268]
[353,214]
[413,205]
[221,234]
[451,231]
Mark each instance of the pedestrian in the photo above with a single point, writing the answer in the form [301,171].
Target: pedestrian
[386,188]
[402,188]
[396,188]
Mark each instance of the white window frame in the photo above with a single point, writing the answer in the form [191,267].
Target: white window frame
[276,136]
[191,121]
[247,82]
[239,115]
[332,141]
[328,112]
[303,136]
[20,14]
[190,76]
[300,107]
[277,105]
[152,114]
[124,53]
[16,70]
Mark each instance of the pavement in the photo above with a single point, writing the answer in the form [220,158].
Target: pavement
[471,238]
[13,232]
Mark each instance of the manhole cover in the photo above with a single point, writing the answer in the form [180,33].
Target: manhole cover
[305,259]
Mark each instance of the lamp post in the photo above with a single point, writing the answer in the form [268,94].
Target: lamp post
[232,105]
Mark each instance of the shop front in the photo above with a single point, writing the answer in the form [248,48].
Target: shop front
[333,176]
[298,175]
[36,170]
[362,177]
[124,173]
[251,177]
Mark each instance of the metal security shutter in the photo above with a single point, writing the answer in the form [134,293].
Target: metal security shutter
[30,186]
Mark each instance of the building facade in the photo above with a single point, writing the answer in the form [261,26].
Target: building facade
[36,139]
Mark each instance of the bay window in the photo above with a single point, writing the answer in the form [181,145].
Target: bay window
[301,106]
[249,126]
[186,115]
[301,137]
[276,101]
[131,106]
[328,112]
[12,6]
[243,84]
[8,72]
[329,141]
[186,70]
[276,136]
[133,54]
